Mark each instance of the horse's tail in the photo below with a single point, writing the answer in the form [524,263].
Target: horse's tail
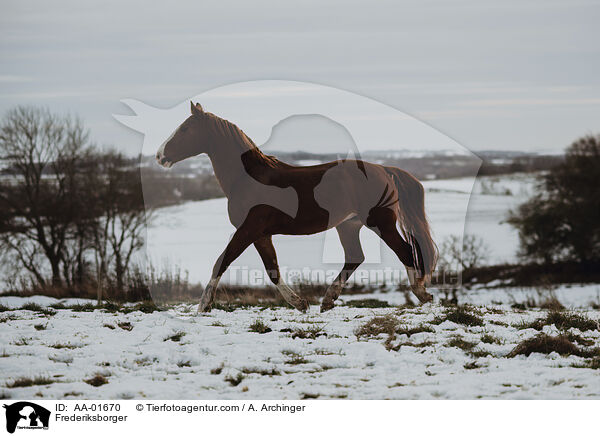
[413,221]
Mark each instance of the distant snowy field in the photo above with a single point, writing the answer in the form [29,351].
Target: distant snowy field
[179,355]
[193,235]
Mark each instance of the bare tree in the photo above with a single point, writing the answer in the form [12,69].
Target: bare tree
[67,210]
[467,254]
[37,199]
[119,231]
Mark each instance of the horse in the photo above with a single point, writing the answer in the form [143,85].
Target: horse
[268,197]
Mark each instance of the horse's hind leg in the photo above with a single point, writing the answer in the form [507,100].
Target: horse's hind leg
[348,232]
[383,222]
[265,249]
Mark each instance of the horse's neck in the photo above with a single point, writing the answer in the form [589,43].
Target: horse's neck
[227,165]
[234,157]
[231,162]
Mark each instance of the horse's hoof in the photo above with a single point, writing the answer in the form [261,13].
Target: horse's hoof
[422,294]
[327,305]
[425,297]
[302,306]
[204,308]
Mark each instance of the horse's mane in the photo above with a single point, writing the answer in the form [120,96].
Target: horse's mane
[226,129]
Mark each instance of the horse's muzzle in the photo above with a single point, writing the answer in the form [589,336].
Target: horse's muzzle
[163,161]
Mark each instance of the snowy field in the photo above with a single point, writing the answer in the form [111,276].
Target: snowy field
[77,351]
[192,235]
[179,355]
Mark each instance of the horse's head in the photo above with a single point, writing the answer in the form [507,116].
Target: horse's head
[189,139]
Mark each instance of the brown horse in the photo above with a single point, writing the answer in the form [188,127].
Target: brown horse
[268,197]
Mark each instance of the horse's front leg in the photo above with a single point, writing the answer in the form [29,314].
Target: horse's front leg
[243,237]
[349,233]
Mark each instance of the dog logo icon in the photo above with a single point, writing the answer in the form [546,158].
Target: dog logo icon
[26,415]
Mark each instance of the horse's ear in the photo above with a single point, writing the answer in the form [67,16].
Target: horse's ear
[196,108]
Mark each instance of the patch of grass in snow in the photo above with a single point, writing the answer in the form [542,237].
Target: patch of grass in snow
[68,346]
[551,303]
[175,337]
[228,307]
[562,321]
[218,324]
[473,365]
[546,344]
[97,380]
[309,320]
[461,314]
[326,367]
[110,307]
[325,352]
[61,359]
[4,308]
[218,370]
[4,353]
[39,327]
[479,353]
[147,306]
[127,326]
[488,338]
[146,361]
[548,303]
[88,307]
[423,344]
[295,358]
[580,339]
[259,326]
[262,371]
[24,382]
[309,396]
[308,333]
[593,363]
[494,310]
[109,326]
[367,303]
[500,323]
[458,342]
[184,363]
[9,318]
[234,381]
[37,308]
[21,341]
[377,326]
[390,325]
[144,306]
[408,331]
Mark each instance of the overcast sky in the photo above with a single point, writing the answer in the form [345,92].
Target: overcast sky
[512,75]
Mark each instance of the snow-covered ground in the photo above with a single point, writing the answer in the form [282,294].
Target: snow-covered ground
[193,235]
[176,354]
[180,355]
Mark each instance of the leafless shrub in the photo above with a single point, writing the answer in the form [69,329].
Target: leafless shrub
[467,253]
